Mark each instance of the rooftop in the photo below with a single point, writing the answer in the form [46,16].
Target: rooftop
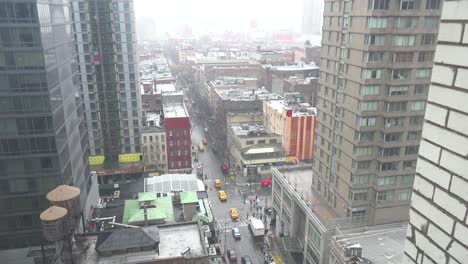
[250,130]
[300,177]
[380,244]
[173,182]
[175,110]
[173,240]
[296,67]
[298,109]
[247,94]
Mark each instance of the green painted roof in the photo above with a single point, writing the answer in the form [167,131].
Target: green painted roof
[131,208]
[188,197]
[163,207]
[146,196]
[152,214]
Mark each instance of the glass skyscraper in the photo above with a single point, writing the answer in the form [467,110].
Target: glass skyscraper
[42,132]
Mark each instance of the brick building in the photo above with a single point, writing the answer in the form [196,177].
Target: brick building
[177,125]
[438,231]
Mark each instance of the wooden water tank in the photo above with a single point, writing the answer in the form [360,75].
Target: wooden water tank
[55,223]
[67,197]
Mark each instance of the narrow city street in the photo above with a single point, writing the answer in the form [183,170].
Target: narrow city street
[212,169]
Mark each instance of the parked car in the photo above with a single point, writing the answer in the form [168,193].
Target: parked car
[222,195]
[231,254]
[246,260]
[236,233]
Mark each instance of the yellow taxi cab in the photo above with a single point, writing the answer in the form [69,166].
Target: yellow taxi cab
[222,195]
[205,141]
[233,213]
[217,183]
[201,148]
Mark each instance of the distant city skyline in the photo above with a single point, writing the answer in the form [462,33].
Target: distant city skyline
[216,16]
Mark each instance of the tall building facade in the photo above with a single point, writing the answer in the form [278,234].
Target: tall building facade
[377,57]
[42,136]
[438,230]
[106,45]
[312,17]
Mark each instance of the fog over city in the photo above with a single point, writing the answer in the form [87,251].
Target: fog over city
[219,15]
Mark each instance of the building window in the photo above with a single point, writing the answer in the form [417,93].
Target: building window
[249,142]
[385,195]
[362,151]
[368,106]
[401,74]
[433,4]
[408,4]
[377,4]
[366,121]
[420,89]
[373,56]
[170,133]
[397,90]
[416,120]
[409,165]
[364,136]
[179,163]
[423,73]
[404,195]
[403,56]
[359,195]
[390,180]
[377,22]
[414,136]
[426,56]
[178,152]
[171,143]
[407,179]
[431,22]
[418,105]
[389,166]
[372,74]
[406,22]
[144,139]
[403,40]
[369,90]
[362,165]
[375,40]
[428,39]
[396,106]
[390,152]
[411,150]
[172,164]
[360,179]
[391,137]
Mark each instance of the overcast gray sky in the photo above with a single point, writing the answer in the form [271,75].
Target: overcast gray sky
[220,15]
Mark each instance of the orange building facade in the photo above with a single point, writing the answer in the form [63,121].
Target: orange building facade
[295,123]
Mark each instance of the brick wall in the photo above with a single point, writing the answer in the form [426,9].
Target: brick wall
[438,231]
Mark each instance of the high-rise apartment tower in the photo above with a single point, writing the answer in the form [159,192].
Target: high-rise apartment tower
[42,132]
[106,45]
[377,57]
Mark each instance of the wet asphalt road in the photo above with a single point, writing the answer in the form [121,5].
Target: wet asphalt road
[212,168]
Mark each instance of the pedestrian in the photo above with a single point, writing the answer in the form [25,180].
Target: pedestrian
[247,215]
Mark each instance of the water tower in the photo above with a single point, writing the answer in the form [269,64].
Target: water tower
[67,197]
[55,223]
